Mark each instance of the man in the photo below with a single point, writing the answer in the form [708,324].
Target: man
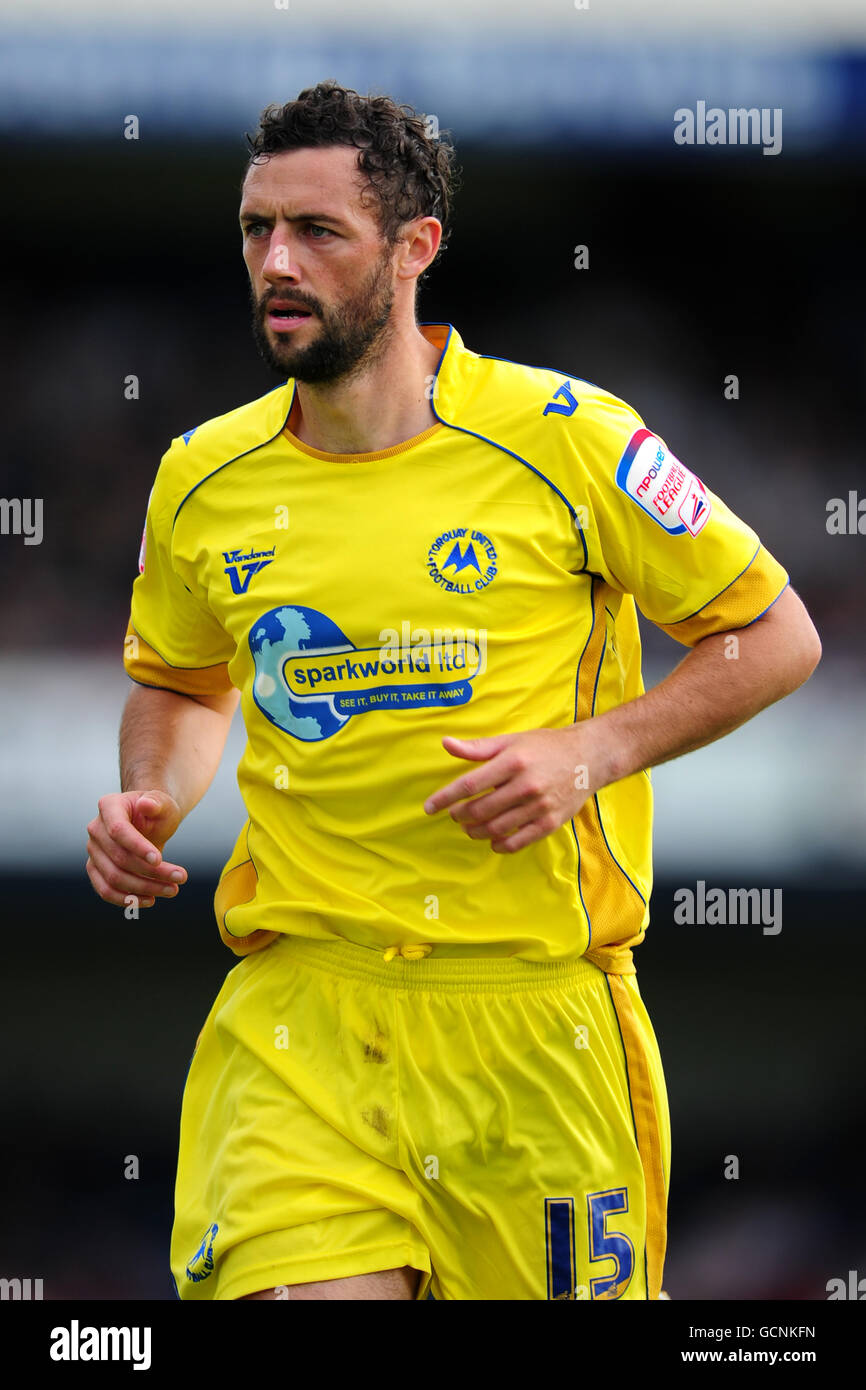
[431,1073]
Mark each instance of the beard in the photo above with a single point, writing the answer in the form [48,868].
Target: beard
[350,335]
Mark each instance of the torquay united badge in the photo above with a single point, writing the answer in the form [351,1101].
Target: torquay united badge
[462,561]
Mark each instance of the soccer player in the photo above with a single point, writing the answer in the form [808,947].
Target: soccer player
[418,568]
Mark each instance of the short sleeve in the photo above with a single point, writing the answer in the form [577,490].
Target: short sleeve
[173,640]
[655,531]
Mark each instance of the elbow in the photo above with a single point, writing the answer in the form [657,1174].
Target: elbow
[806,653]
[797,644]
[816,651]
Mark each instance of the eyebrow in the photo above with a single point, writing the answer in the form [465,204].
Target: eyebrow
[300,217]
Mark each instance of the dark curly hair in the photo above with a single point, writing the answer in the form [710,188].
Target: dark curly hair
[409,172]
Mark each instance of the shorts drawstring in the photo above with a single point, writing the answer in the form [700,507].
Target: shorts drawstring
[411,952]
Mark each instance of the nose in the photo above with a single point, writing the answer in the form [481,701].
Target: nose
[279,263]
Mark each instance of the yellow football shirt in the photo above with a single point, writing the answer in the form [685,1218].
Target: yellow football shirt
[478,579]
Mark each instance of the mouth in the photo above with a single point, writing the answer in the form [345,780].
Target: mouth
[283,315]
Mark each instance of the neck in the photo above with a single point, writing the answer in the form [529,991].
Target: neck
[383,405]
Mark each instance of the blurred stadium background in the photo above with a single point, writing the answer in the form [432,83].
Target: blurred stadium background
[122,257]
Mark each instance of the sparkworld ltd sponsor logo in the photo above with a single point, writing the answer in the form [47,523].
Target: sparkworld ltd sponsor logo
[663,487]
[241,566]
[462,561]
[311,679]
[77,1343]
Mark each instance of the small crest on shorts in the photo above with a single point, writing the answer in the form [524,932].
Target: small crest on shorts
[201,1264]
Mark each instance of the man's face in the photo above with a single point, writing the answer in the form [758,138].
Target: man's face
[321,278]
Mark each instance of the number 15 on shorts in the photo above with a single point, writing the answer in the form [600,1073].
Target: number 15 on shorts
[606,1245]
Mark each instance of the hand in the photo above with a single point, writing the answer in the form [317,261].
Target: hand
[125,847]
[534,782]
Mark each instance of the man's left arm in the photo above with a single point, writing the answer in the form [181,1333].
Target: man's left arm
[724,681]
[528,784]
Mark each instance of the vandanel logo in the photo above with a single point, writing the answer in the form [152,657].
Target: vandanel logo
[311,679]
[241,566]
[462,561]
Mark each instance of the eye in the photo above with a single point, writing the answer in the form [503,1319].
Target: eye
[314,227]
[252,228]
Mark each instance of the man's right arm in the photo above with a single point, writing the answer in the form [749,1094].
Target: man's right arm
[170,749]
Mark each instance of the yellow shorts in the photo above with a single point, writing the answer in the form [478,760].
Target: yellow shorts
[499,1124]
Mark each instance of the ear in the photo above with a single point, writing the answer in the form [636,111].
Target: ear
[417,247]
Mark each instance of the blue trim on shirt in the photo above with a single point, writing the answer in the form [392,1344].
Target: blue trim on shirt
[576,689]
[261,445]
[555,370]
[786,585]
[718,595]
[493,444]
[502,447]
[623,871]
[625,875]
